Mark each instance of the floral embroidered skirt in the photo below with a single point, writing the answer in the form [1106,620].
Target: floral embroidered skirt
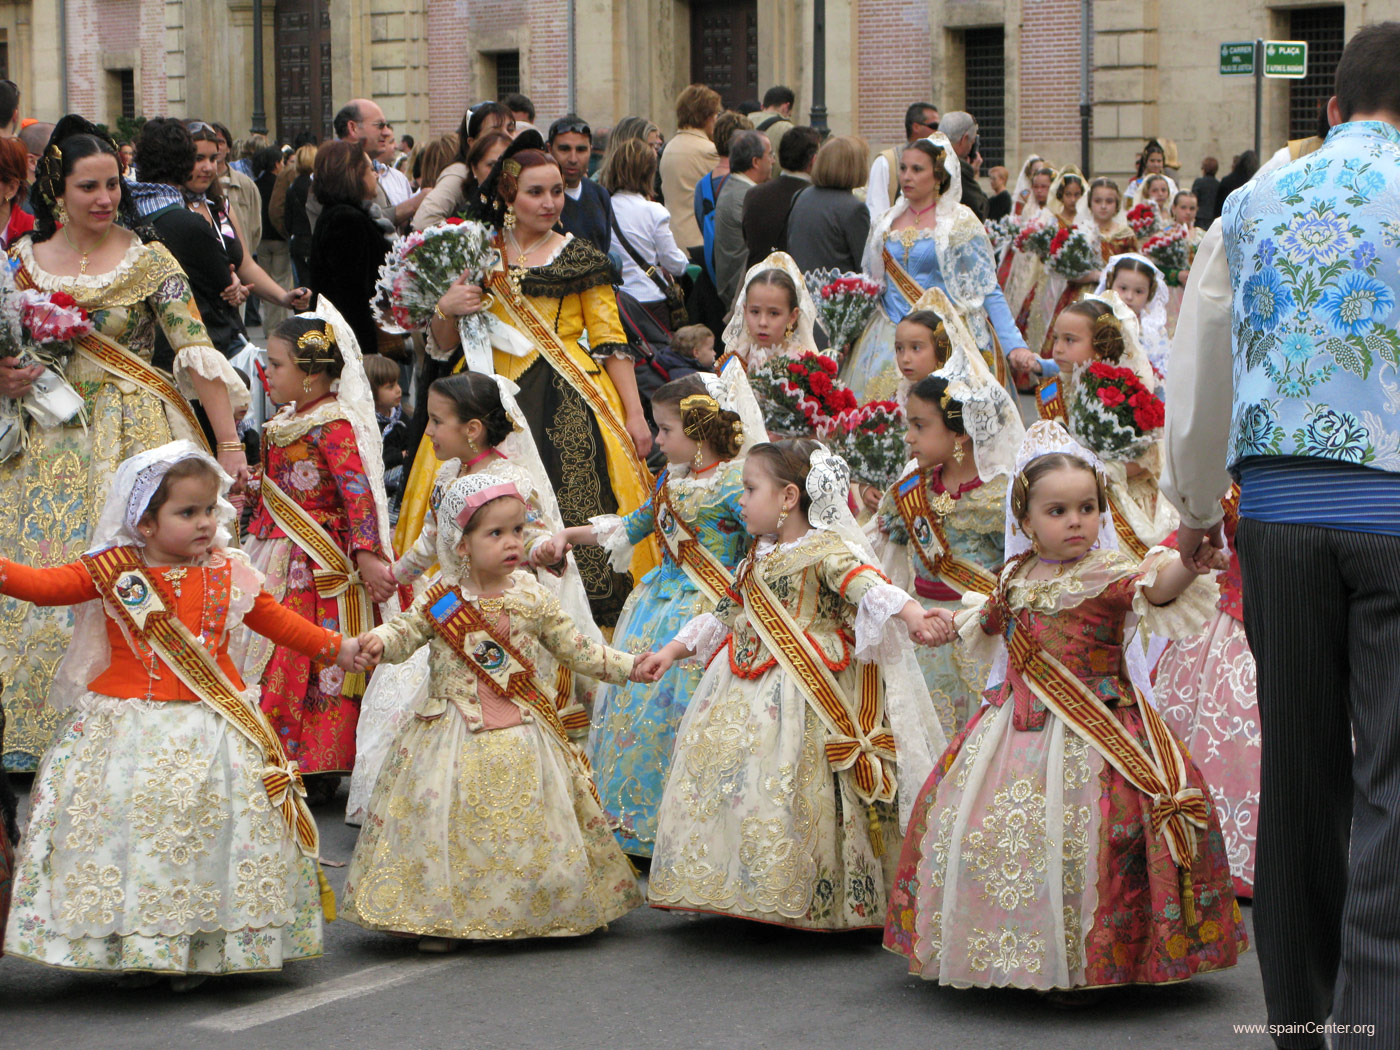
[954,676]
[152,846]
[1031,863]
[637,722]
[302,700]
[1205,689]
[484,836]
[754,824]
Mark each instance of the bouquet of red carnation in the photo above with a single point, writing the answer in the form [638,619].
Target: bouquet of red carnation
[1112,412]
[844,304]
[870,439]
[1170,249]
[1071,255]
[1002,232]
[419,269]
[1035,237]
[38,328]
[800,395]
[1143,218]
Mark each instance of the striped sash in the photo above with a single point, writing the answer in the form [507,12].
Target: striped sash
[674,533]
[925,527]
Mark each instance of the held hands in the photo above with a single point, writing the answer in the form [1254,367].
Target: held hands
[462,299]
[1202,550]
[870,496]
[374,571]
[349,654]
[650,667]
[932,628]
[553,550]
[370,650]
[237,292]
[1023,360]
[235,464]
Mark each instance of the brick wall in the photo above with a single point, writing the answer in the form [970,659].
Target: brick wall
[893,68]
[1050,58]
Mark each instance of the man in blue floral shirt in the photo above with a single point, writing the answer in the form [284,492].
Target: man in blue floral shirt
[1293,296]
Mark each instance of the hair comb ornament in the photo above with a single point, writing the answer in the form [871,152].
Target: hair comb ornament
[511,167]
[1108,321]
[316,347]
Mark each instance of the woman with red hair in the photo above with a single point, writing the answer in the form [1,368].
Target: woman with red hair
[14,184]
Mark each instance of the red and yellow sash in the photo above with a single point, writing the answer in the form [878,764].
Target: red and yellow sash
[123,364]
[856,739]
[523,317]
[131,595]
[1178,809]
[675,534]
[1127,538]
[910,289]
[495,661]
[335,576]
[925,527]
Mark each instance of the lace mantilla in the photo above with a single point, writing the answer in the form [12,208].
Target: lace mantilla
[578,267]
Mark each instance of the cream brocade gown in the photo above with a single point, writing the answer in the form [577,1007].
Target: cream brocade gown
[753,822]
[55,489]
[480,829]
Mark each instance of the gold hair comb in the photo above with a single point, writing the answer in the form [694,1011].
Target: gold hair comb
[511,167]
[1110,320]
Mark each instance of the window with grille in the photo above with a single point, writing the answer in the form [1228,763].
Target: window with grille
[127,87]
[1322,28]
[984,88]
[4,60]
[507,73]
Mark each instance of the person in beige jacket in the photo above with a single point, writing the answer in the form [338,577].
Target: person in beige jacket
[687,159]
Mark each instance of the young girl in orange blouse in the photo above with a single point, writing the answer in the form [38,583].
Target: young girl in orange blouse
[168,835]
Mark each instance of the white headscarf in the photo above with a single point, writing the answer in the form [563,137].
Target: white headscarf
[1053,204]
[1152,326]
[136,480]
[1029,167]
[945,212]
[736,332]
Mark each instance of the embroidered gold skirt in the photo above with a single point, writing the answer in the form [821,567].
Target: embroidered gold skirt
[484,836]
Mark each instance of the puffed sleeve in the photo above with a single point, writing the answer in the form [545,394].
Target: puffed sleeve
[62,585]
[877,602]
[404,634]
[605,335]
[620,535]
[336,441]
[561,636]
[175,311]
[272,620]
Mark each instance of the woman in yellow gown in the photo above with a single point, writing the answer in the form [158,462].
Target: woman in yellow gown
[556,334]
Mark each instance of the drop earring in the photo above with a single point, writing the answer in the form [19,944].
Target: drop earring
[60,212]
[306,384]
[958,454]
[699,459]
[782,517]
[509,222]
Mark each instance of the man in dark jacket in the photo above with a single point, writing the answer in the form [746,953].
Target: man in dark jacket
[587,206]
[766,207]
[961,129]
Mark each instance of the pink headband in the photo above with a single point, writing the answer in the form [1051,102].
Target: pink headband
[481,497]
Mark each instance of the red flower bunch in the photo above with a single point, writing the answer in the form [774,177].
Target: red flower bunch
[1071,255]
[52,317]
[844,303]
[1035,237]
[870,439]
[1170,249]
[1112,412]
[800,395]
[1143,218]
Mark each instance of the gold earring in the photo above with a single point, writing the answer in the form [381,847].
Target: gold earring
[509,222]
[306,384]
[699,456]
[782,517]
[60,212]
[790,331]
[958,454]
[472,447]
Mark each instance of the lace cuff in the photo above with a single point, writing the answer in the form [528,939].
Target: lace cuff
[704,635]
[611,532]
[1187,615]
[603,351]
[434,349]
[245,584]
[208,363]
[878,638]
[978,644]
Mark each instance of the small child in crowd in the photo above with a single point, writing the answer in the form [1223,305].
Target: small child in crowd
[383,376]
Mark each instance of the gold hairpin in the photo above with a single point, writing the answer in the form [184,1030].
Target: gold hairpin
[511,167]
[1110,320]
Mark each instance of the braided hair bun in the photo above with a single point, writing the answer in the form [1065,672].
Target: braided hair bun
[1106,333]
[476,396]
[701,417]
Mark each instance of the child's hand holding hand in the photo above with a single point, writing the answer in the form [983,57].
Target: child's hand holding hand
[371,651]
[934,627]
[650,667]
[349,654]
[551,551]
[374,571]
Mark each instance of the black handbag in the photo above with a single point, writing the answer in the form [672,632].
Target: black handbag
[675,298]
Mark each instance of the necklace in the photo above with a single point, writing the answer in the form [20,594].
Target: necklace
[515,272]
[910,234]
[83,261]
[1059,565]
[492,607]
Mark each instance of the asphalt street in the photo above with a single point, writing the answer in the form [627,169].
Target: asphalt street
[654,980]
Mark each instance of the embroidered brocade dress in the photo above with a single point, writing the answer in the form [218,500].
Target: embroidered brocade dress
[151,842]
[1034,311]
[315,460]
[974,525]
[55,489]
[753,822]
[1030,862]
[479,828]
[395,692]
[637,721]
[1206,690]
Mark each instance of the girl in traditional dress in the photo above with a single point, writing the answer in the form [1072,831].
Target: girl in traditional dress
[1104,328]
[1152,162]
[475,426]
[484,824]
[929,239]
[167,835]
[938,529]
[1019,271]
[1066,840]
[320,533]
[1135,279]
[1183,217]
[1035,310]
[1024,202]
[695,512]
[781,802]
[55,487]
[1156,190]
[777,316]
[1206,690]
[555,333]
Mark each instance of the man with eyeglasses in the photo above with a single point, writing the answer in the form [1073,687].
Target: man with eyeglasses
[587,210]
[361,120]
[882,188]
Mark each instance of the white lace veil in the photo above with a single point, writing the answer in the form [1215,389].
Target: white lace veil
[1152,326]
[356,399]
[733,392]
[136,480]
[919,738]
[989,416]
[1084,217]
[1029,166]
[946,211]
[736,332]
[1052,204]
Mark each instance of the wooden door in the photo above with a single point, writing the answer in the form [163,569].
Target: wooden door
[303,42]
[724,48]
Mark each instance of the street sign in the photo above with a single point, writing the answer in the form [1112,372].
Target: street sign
[1284,58]
[1237,59]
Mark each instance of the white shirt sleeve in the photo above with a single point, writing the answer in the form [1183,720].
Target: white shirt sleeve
[1200,391]
[877,187]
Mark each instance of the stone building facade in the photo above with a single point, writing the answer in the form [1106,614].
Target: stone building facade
[1015,63]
